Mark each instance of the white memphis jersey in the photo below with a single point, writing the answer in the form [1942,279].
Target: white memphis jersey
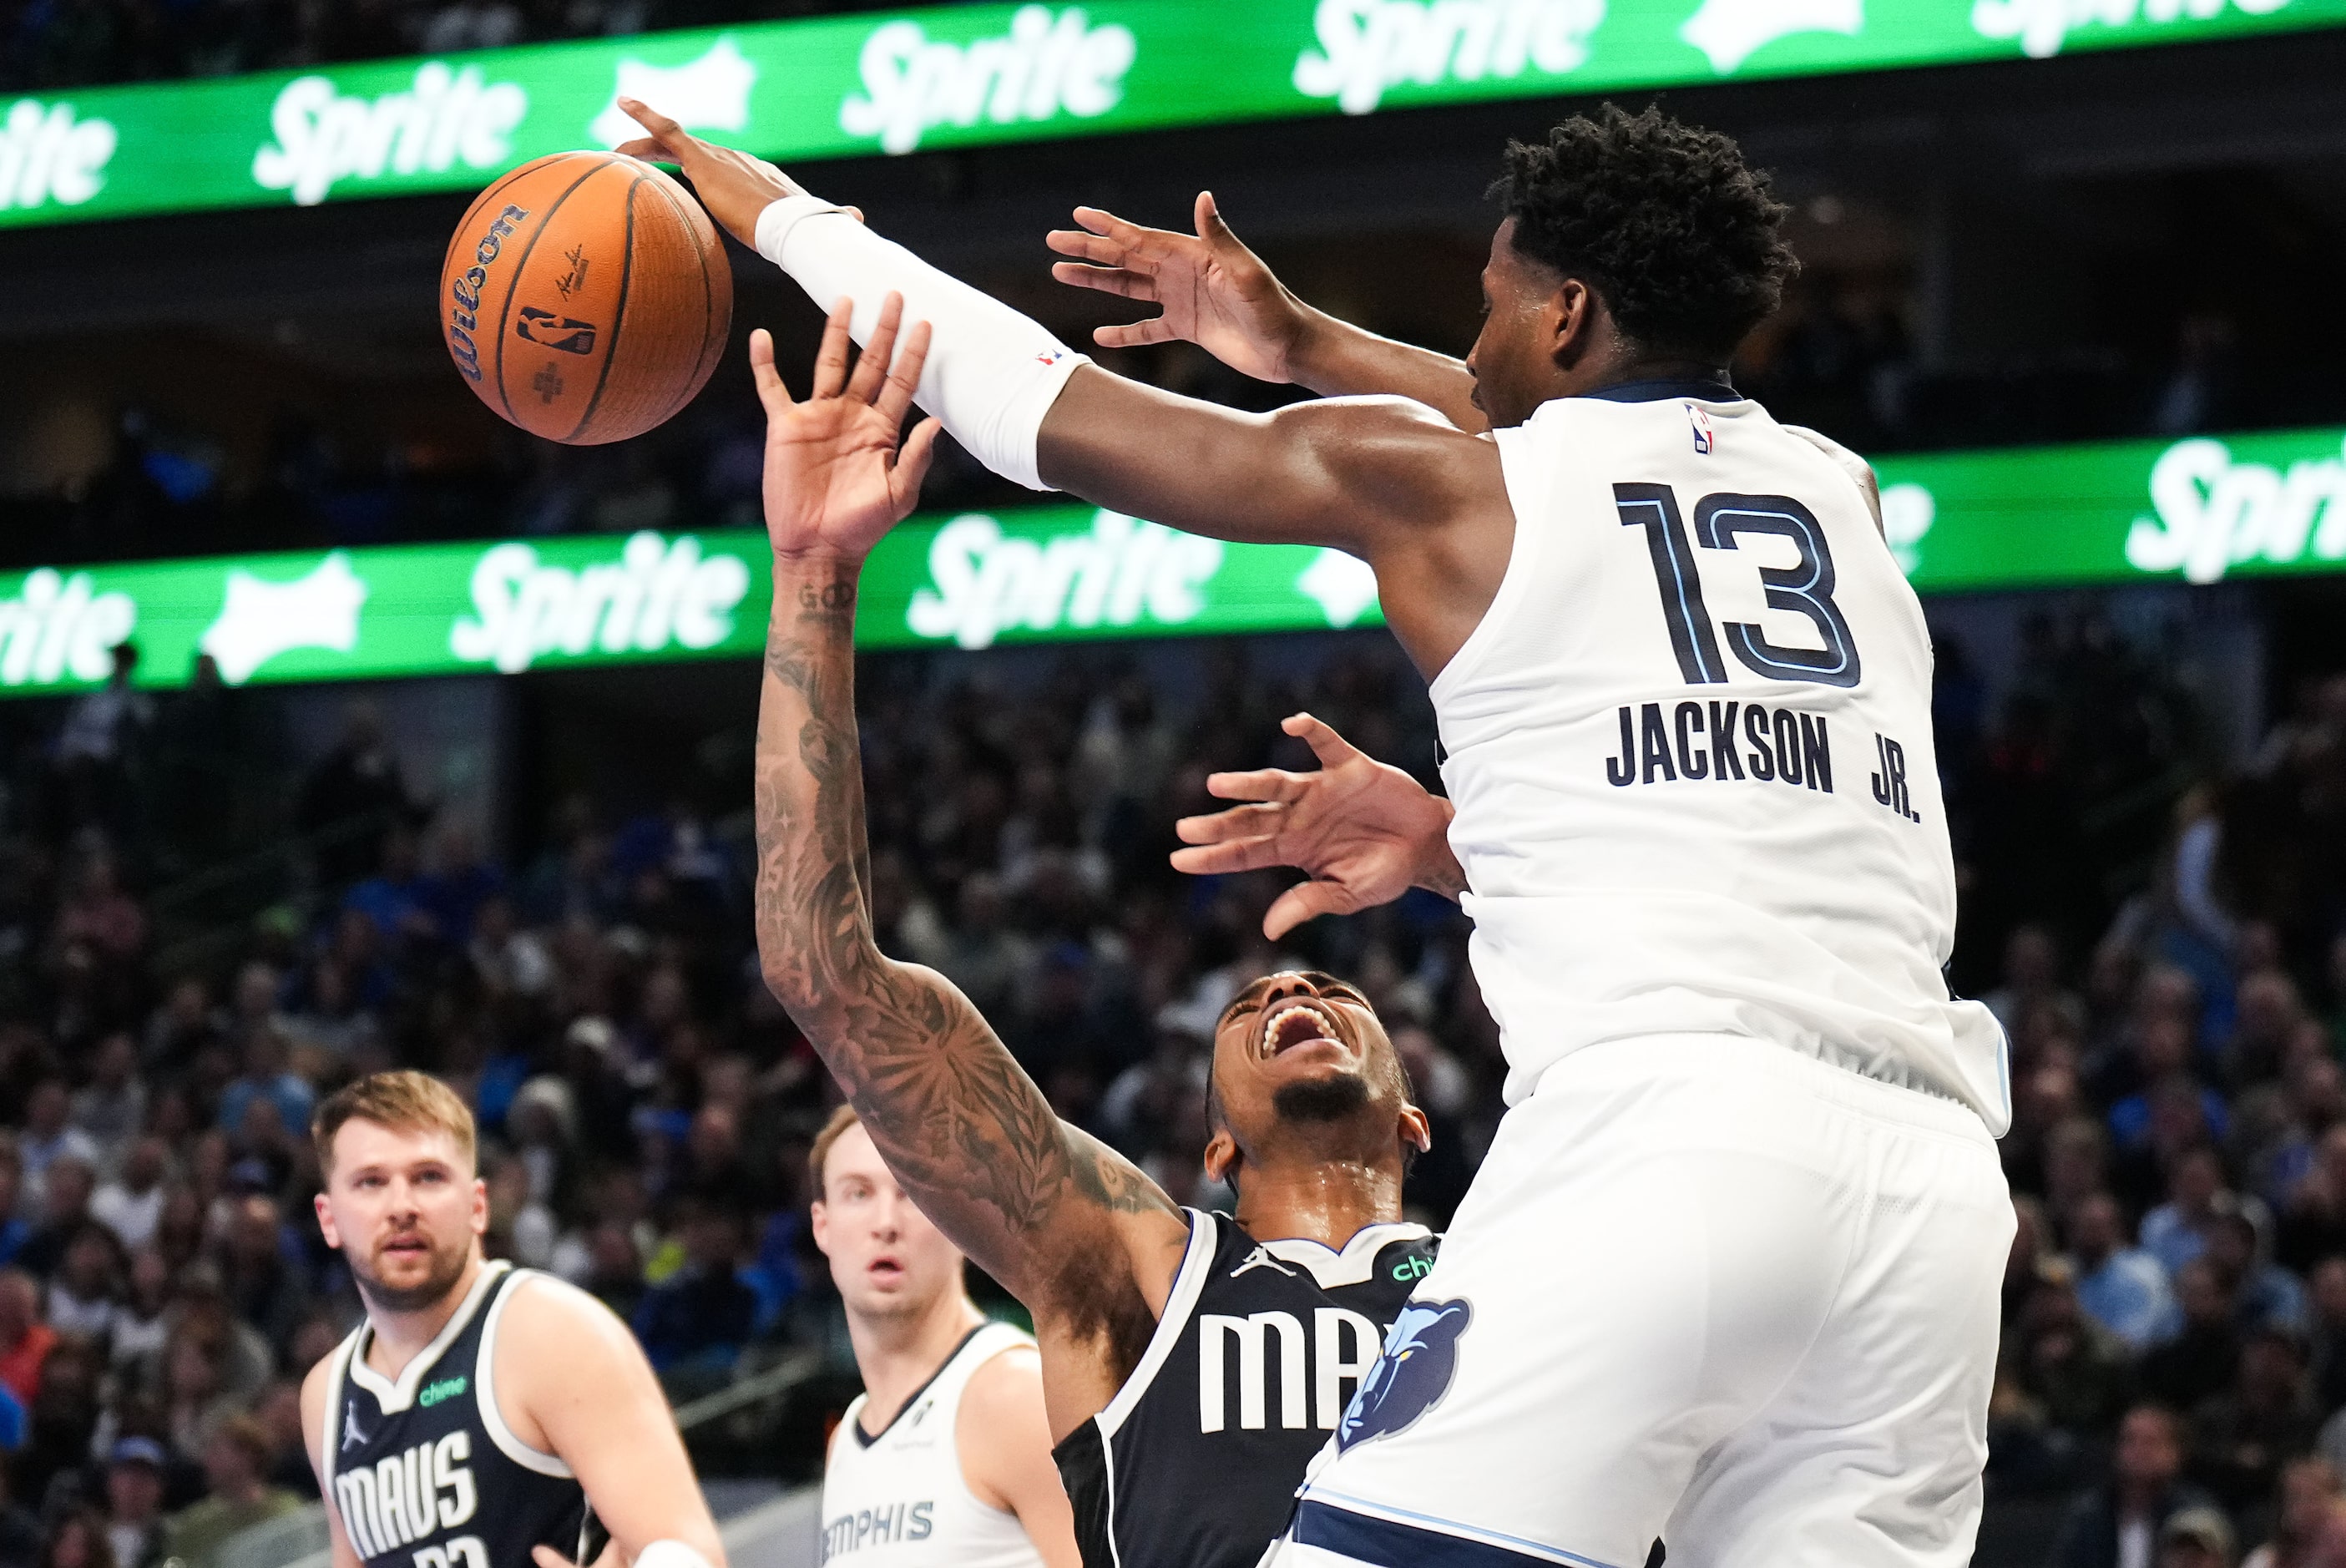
[899,1500]
[1689,745]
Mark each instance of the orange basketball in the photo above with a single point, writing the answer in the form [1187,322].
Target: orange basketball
[585,297]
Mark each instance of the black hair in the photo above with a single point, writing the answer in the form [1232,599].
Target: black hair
[1665,221]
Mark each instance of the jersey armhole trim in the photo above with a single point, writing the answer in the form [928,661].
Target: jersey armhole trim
[1107,1468]
[1527,477]
[330,1439]
[493,1418]
[1188,1283]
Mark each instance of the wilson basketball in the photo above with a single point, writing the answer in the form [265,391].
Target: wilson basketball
[585,297]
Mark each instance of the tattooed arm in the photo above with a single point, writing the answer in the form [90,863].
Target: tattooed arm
[1067,1226]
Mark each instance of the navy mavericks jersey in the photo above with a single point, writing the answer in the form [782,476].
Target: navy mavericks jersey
[424,1472]
[1195,1462]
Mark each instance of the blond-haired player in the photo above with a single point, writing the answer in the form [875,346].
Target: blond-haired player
[944,1461]
[480,1411]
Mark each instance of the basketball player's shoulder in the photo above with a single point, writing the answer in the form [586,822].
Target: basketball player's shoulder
[317,1385]
[549,1318]
[1008,1382]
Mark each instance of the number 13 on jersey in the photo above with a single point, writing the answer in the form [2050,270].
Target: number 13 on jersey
[1805,587]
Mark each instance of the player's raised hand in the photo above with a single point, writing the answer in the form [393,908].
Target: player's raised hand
[1216,293]
[734,187]
[839,473]
[1364,833]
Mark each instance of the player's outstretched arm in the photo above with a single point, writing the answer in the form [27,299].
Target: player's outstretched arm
[1365,832]
[1217,293]
[1048,1210]
[1377,477]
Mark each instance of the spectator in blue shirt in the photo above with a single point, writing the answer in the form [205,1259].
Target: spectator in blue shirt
[265,1077]
[2121,1288]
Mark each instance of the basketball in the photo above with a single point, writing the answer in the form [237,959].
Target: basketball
[585,297]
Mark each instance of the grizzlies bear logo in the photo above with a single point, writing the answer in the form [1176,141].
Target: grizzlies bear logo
[1421,1356]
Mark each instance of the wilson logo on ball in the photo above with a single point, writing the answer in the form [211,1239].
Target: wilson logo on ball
[546,329]
[466,290]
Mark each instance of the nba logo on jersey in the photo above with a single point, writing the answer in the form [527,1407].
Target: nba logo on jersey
[1702,422]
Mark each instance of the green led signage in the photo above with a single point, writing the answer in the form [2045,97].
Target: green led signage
[2190,510]
[968,76]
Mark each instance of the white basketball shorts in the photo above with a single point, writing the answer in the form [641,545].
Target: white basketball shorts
[1706,1290]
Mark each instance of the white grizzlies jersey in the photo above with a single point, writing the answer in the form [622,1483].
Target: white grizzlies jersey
[898,1500]
[1689,745]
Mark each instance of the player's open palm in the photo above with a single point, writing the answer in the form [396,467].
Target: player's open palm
[1365,832]
[838,471]
[1216,293]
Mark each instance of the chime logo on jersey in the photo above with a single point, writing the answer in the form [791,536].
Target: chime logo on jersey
[1314,1369]
[407,1496]
[1420,1358]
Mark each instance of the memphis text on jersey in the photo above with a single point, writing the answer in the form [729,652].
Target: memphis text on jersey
[417,1493]
[1730,742]
[877,1527]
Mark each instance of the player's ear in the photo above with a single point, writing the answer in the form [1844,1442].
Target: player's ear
[326,1222]
[1222,1153]
[819,1223]
[480,1207]
[1416,1132]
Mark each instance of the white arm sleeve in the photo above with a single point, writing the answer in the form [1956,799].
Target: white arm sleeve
[991,374]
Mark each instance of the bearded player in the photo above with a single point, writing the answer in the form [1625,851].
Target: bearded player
[1191,1364]
[944,1459]
[1683,693]
[480,1411]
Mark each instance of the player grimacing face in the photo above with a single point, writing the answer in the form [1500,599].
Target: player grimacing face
[1302,1048]
[886,1259]
[406,1209]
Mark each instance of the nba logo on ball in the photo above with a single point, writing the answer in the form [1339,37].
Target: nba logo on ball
[1421,1357]
[1702,422]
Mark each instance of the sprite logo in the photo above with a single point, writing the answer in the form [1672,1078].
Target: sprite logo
[444,117]
[2215,513]
[983,582]
[660,591]
[47,154]
[1368,46]
[1049,64]
[60,627]
[1728,32]
[445,1389]
[2044,26]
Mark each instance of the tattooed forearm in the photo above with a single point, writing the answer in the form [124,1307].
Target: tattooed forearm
[962,1127]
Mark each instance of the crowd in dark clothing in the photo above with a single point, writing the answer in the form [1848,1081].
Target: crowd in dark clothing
[50,44]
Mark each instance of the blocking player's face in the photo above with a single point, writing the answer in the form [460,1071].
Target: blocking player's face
[1532,313]
[406,1208]
[886,1259]
[1301,1053]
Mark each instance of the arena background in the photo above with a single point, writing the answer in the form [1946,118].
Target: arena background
[367,794]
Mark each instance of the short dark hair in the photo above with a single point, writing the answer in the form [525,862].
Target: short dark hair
[1664,221]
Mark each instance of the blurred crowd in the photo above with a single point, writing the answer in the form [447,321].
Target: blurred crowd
[49,44]
[2160,933]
